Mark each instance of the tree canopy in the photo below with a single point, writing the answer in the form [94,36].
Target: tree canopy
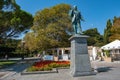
[107,32]
[51,28]
[115,30]
[95,38]
[13,20]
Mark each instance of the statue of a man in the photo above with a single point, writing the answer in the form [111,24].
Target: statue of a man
[76,18]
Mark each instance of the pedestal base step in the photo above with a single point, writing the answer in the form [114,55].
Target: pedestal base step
[76,74]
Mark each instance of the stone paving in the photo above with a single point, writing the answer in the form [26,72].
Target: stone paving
[64,74]
[2,74]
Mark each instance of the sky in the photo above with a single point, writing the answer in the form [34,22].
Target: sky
[95,12]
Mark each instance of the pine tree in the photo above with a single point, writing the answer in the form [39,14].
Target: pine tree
[115,30]
[107,32]
[13,20]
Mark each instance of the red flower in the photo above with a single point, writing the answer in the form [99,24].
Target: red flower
[46,62]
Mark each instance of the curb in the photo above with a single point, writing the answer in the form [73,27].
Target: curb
[55,70]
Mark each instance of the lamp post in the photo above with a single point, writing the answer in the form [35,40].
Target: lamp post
[22,48]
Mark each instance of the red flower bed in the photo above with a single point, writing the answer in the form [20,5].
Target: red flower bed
[44,63]
[48,65]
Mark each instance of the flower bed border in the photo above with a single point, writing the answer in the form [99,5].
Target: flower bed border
[54,70]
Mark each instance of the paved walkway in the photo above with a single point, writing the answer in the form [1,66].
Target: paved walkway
[64,74]
[17,68]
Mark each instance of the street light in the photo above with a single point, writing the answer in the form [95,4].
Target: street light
[22,48]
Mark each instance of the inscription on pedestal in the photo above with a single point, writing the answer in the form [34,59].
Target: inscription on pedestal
[81,48]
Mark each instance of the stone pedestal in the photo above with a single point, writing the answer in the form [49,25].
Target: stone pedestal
[80,63]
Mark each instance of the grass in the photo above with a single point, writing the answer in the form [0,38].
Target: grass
[4,64]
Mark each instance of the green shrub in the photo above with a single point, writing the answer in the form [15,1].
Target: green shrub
[64,65]
[47,68]
[107,53]
[54,65]
[30,69]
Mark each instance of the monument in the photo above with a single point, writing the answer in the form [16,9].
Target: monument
[80,62]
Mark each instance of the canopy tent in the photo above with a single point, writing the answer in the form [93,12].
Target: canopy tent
[113,45]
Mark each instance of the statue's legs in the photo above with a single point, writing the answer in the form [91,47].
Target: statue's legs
[79,30]
[75,28]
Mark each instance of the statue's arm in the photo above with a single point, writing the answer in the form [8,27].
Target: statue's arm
[80,16]
[71,13]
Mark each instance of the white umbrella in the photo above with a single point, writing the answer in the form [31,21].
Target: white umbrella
[113,45]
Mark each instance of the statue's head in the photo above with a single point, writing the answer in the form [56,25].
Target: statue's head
[75,7]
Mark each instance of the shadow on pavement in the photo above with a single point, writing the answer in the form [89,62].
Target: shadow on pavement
[103,69]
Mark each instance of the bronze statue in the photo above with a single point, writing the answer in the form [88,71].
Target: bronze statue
[76,18]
